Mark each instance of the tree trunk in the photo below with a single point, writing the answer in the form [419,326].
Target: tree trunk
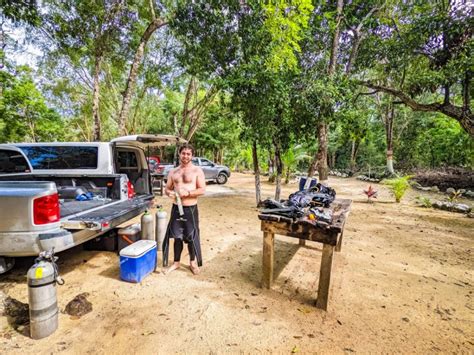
[354,51]
[313,166]
[256,170]
[279,171]
[389,138]
[287,176]
[335,39]
[95,98]
[354,149]
[271,163]
[271,167]
[132,76]
[323,153]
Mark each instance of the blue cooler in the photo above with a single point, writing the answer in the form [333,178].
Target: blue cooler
[303,182]
[137,260]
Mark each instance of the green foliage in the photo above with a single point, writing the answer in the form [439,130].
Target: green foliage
[24,115]
[423,51]
[292,157]
[398,186]
[21,12]
[424,201]
[285,21]
[454,196]
[220,131]
[433,140]
[271,61]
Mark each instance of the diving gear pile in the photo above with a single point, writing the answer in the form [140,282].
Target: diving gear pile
[310,205]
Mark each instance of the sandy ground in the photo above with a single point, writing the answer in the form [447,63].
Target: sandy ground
[403,282]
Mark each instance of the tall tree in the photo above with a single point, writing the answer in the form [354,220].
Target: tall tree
[153,25]
[86,32]
[431,46]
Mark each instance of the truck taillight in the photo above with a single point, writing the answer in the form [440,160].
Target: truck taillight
[130,190]
[46,209]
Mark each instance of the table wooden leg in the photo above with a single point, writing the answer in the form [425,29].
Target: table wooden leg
[339,242]
[325,277]
[268,246]
[302,242]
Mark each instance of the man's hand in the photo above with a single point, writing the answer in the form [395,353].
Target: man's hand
[184,192]
[172,195]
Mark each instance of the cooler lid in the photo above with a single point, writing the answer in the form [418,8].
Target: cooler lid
[130,230]
[138,248]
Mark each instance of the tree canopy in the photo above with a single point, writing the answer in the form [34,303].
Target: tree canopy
[352,83]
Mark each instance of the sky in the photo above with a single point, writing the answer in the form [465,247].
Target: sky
[19,51]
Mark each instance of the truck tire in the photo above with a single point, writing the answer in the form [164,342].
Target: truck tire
[6,264]
[221,179]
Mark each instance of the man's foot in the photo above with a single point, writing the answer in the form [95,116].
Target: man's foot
[194,267]
[171,268]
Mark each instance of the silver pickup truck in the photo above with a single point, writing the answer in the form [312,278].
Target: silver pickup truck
[63,194]
[212,171]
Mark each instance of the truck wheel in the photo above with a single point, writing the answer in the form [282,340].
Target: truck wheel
[6,264]
[221,178]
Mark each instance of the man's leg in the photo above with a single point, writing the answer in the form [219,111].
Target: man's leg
[193,265]
[194,245]
[178,249]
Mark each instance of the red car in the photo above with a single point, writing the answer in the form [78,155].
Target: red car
[154,165]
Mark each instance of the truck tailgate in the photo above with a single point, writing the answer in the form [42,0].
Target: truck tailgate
[110,215]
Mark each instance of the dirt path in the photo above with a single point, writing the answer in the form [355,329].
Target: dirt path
[403,282]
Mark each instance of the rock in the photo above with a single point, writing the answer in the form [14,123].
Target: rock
[469,193]
[422,188]
[79,305]
[434,189]
[17,310]
[461,208]
[453,207]
[470,214]
[450,190]
[462,191]
[415,185]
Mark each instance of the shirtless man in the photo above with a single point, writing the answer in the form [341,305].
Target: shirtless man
[188,181]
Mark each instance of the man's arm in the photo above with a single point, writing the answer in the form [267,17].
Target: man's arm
[169,189]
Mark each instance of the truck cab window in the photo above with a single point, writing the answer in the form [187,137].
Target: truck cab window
[127,161]
[59,157]
[12,162]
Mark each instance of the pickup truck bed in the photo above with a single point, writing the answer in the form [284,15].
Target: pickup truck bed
[111,215]
[71,207]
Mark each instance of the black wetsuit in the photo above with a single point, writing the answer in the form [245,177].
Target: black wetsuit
[183,229]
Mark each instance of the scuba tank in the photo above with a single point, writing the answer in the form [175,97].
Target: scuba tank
[42,278]
[160,230]
[147,226]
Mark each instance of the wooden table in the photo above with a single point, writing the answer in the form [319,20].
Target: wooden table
[157,183]
[330,235]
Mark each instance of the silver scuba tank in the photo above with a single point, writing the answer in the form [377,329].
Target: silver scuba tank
[147,226]
[42,278]
[160,230]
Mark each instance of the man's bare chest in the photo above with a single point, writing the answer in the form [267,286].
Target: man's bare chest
[184,176]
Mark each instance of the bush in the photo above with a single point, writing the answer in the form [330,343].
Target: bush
[398,186]
[424,201]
